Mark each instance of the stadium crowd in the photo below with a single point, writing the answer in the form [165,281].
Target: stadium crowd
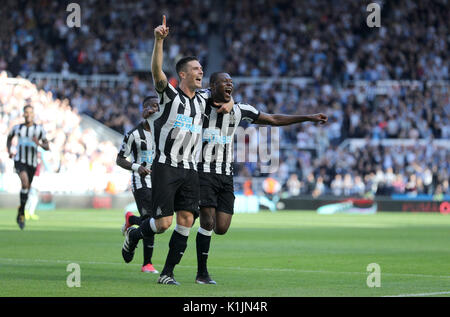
[74,152]
[331,41]
[34,36]
[327,41]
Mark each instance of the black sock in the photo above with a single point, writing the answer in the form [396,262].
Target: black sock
[148,249]
[142,231]
[177,246]
[23,201]
[203,242]
[134,220]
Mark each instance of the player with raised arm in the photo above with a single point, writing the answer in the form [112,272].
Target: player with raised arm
[31,135]
[216,165]
[138,143]
[177,129]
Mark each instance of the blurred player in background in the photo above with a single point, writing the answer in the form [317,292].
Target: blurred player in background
[216,164]
[30,135]
[138,143]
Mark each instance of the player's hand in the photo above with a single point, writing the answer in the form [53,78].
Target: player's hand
[36,140]
[11,155]
[148,112]
[162,30]
[143,171]
[225,107]
[320,118]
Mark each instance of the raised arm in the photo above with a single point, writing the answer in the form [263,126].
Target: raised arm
[282,119]
[159,78]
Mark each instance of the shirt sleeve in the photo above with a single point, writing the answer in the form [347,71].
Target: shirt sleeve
[13,131]
[125,148]
[168,94]
[43,134]
[249,113]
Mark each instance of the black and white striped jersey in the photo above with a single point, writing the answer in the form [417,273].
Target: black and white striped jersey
[27,150]
[218,137]
[138,143]
[177,127]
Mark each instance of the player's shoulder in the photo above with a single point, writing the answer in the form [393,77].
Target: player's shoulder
[204,93]
[132,131]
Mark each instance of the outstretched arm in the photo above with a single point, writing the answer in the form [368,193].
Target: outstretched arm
[282,119]
[159,78]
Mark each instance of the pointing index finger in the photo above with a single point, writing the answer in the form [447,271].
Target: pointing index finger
[164,21]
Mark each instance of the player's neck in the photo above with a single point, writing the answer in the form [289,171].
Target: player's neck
[187,90]
[29,124]
[146,125]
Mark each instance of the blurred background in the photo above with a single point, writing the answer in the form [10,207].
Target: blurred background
[385,90]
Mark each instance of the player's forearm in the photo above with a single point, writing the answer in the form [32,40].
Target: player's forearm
[282,120]
[159,78]
[8,143]
[123,162]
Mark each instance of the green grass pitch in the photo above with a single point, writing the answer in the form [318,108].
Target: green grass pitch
[287,254]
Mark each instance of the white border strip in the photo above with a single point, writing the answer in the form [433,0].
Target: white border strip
[421,294]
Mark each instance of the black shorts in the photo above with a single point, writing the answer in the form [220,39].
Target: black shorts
[217,190]
[174,189]
[143,198]
[21,167]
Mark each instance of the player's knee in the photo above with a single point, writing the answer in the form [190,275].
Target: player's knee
[207,223]
[220,229]
[185,219]
[163,224]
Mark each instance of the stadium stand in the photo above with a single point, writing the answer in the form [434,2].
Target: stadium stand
[376,85]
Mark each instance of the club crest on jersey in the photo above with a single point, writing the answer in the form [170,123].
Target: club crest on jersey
[232,117]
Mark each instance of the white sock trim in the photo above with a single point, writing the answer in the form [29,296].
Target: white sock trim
[182,230]
[24,191]
[153,225]
[204,232]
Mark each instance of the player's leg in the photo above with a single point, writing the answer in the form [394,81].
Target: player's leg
[23,173]
[225,205]
[162,203]
[143,197]
[209,188]
[203,242]
[186,206]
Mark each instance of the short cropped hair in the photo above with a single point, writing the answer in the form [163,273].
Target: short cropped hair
[181,64]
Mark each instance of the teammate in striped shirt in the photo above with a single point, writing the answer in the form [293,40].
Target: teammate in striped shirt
[215,167]
[138,144]
[177,129]
[30,135]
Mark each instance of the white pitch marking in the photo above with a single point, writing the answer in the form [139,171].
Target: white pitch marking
[227,267]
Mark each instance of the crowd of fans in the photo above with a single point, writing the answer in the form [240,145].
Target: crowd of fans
[34,36]
[77,155]
[328,42]
[331,40]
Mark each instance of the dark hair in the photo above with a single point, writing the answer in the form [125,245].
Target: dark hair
[214,77]
[27,106]
[180,66]
[149,97]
